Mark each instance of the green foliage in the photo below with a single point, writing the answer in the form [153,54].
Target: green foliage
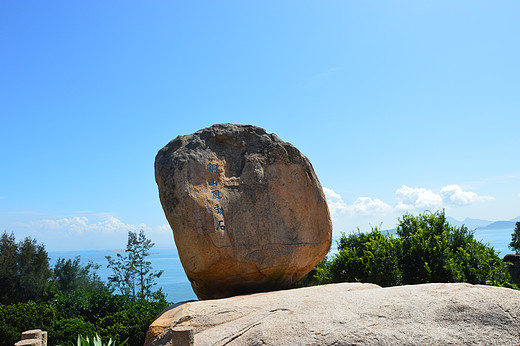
[18,317]
[96,341]
[435,251]
[118,317]
[71,299]
[70,275]
[366,257]
[66,328]
[115,317]
[132,273]
[427,249]
[502,284]
[24,270]
[25,273]
[515,239]
[309,279]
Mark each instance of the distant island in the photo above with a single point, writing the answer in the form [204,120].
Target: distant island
[484,224]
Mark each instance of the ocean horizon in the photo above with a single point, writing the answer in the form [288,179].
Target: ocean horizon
[176,285]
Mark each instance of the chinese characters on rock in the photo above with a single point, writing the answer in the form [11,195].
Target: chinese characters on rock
[216,195]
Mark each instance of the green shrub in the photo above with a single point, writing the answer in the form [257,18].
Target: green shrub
[365,257]
[19,317]
[427,249]
[67,328]
[116,317]
[113,317]
[132,322]
[435,251]
[90,305]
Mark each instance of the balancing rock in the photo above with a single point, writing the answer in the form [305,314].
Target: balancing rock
[247,211]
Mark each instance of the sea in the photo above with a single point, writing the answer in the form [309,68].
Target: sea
[176,285]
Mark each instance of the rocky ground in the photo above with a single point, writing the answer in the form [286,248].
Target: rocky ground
[348,313]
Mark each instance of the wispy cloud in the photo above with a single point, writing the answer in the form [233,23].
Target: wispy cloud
[321,77]
[326,73]
[81,224]
[498,178]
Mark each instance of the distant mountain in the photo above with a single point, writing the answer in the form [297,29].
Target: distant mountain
[499,225]
[474,224]
[468,222]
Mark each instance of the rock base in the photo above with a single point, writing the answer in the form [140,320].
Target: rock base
[348,313]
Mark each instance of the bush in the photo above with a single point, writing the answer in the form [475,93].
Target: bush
[19,317]
[81,312]
[365,257]
[116,317]
[427,249]
[67,329]
[435,251]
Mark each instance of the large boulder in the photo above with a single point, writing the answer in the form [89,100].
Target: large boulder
[348,314]
[247,211]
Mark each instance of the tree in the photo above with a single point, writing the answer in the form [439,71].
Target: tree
[70,275]
[24,270]
[515,239]
[132,273]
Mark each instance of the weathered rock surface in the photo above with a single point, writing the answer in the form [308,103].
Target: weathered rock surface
[346,314]
[514,269]
[247,211]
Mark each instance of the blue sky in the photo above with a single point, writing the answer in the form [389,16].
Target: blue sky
[401,106]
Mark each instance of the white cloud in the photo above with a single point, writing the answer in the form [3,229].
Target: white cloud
[453,194]
[369,206]
[416,198]
[336,204]
[409,198]
[81,224]
[361,206]
[162,229]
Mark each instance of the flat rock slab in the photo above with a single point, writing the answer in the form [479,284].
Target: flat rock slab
[348,313]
